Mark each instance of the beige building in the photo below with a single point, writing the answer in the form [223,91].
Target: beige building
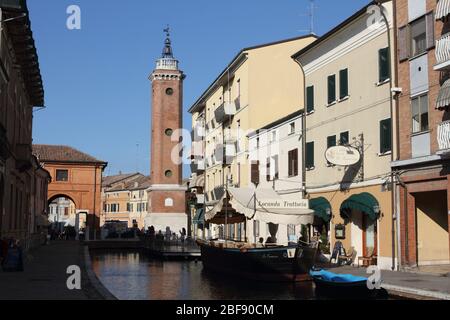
[125,199]
[260,85]
[347,102]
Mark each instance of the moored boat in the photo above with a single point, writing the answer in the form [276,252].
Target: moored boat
[334,285]
[272,263]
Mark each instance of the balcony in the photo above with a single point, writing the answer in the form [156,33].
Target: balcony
[197,166]
[198,133]
[166,64]
[224,111]
[224,153]
[443,136]
[442,9]
[197,150]
[443,53]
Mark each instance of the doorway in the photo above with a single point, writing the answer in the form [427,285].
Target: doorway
[369,236]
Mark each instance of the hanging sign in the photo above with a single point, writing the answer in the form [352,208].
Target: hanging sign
[342,155]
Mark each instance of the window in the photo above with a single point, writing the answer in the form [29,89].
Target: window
[344,138]
[168,132]
[343,83]
[268,178]
[275,169]
[293,163]
[168,202]
[169,91]
[168,174]
[256,228]
[257,143]
[62,175]
[331,89]
[292,128]
[331,142]
[309,99]
[420,113]
[128,207]
[418,37]
[385,136]
[309,155]
[383,65]
[255,172]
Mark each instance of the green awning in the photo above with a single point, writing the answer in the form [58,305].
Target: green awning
[199,217]
[320,207]
[363,202]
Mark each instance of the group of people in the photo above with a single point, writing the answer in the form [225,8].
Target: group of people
[167,236]
[11,255]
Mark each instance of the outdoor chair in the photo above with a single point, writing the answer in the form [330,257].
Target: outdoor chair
[368,259]
[347,258]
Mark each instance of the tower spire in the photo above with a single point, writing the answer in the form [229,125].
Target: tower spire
[167,60]
[167,51]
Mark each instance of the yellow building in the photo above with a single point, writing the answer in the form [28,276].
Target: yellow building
[259,86]
[348,103]
[125,199]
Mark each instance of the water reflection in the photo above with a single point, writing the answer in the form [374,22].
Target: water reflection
[133,276]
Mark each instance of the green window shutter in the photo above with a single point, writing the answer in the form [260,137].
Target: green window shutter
[331,89]
[344,138]
[310,99]
[309,155]
[331,141]
[343,83]
[385,136]
[383,64]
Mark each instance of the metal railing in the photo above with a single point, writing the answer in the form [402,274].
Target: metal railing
[443,135]
[443,49]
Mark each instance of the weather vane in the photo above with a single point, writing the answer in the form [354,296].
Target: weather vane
[167,31]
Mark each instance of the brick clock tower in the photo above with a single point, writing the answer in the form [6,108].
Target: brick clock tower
[167,205]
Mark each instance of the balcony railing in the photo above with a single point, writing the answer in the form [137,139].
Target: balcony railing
[443,53]
[197,166]
[224,153]
[198,133]
[443,136]
[166,64]
[224,111]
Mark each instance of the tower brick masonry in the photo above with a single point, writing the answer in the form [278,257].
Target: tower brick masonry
[167,205]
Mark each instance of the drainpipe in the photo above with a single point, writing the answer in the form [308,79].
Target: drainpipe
[391,102]
[405,204]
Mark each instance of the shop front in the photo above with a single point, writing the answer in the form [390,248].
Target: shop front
[360,219]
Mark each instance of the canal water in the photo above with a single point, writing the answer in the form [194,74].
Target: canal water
[135,276]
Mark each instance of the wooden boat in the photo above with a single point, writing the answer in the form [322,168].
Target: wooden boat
[274,263]
[334,285]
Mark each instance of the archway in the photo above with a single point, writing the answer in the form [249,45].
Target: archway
[62,213]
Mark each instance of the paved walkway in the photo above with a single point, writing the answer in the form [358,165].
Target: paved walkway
[44,276]
[407,284]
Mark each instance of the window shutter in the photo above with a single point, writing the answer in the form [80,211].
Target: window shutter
[268,169]
[331,141]
[343,83]
[403,43]
[429,19]
[310,155]
[310,99]
[255,172]
[344,139]
[331,89]
[295,162]
[385,136]
[383,64]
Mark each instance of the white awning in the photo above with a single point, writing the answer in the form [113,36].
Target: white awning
[242,200]
[443,99]
[442,9]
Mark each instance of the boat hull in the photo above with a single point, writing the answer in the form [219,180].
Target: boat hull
[262,264]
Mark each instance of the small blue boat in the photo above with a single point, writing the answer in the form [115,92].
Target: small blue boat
[332,284]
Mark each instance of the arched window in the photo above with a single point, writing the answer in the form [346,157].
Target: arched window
[168,202]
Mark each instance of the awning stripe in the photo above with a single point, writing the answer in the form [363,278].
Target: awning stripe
[443,100]
[442,9]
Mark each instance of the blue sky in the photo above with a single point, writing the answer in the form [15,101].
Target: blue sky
[96,83]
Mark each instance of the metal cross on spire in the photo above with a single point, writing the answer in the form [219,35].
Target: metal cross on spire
[167,31]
